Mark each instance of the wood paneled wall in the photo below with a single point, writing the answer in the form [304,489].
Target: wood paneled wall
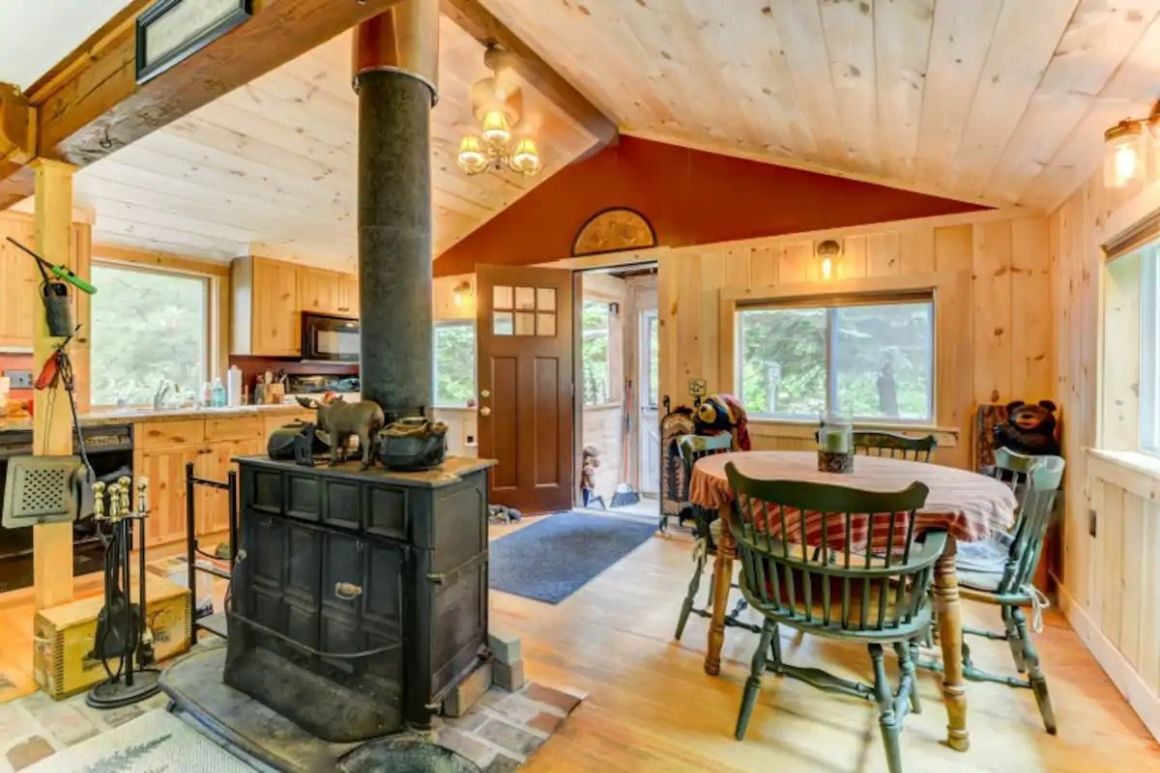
[1108,579]
[993,306]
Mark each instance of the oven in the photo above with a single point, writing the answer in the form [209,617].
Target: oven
[110,451]
[326,338]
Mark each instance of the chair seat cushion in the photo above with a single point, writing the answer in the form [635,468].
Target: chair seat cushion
[985,581]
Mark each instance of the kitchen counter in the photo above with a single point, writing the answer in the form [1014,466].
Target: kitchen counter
[140,415]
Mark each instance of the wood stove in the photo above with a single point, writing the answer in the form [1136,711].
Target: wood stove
[359,598]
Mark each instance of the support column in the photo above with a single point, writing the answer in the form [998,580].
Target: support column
[395,66]
[52,556]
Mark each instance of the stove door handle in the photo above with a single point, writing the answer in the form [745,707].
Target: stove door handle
[347,591]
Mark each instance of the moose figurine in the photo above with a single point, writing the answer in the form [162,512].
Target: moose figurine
[340,419]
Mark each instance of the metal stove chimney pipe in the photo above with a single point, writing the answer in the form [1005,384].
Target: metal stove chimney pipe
[396,61]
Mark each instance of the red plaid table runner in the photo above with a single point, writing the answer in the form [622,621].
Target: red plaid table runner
[969,506]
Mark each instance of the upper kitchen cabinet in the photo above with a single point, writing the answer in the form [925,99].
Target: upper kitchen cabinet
[266,308]
[18,284]
[328,292]
[269,297]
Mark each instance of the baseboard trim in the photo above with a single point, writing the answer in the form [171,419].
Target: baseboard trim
[1140,697]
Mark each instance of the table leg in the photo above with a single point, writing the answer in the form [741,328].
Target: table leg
[722,581]
[950,627]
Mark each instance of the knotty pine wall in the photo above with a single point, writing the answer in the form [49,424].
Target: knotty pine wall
[993,308]
[1109,583]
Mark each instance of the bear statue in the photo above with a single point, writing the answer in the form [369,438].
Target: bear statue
[1029,429]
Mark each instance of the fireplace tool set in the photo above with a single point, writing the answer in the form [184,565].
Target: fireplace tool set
[122,634]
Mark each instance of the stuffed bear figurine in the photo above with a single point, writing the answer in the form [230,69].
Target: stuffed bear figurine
[1029,429]
[723,413]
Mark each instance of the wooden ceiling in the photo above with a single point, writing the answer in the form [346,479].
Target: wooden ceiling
[996,101]
[271,167]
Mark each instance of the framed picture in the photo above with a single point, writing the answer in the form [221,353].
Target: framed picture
[170,30]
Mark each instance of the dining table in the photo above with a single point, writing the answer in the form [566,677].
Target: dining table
[968,506]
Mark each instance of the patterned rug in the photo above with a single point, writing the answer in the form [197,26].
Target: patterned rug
[155,742]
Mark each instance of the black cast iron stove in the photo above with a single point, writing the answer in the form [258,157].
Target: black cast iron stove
[360,598]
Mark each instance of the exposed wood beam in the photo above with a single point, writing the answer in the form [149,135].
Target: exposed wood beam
[478,22]
[90,104]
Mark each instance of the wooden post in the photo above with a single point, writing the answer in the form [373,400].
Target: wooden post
[52,558]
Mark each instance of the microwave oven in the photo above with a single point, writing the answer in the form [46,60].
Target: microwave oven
[329,339]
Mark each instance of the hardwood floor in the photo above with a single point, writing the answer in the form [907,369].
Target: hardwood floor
[650,706]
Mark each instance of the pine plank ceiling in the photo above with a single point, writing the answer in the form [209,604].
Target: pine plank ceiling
[271,167]
[996,101]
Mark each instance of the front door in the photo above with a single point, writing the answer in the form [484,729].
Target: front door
[525,329]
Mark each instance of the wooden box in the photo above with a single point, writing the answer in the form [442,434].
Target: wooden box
[63,664]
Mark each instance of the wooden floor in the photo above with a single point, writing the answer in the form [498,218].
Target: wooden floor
[650,706]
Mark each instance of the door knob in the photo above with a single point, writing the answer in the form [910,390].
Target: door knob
[485,411]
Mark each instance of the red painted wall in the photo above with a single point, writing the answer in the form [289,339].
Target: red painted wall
[690,196]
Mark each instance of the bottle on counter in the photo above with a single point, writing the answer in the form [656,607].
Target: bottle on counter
[219,394]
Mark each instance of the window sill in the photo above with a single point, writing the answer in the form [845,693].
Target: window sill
[1133,471]
[438,407]
[602,406]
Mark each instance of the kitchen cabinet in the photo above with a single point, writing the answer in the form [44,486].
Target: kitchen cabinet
[164,448]
[18,284]
[266,310]
[269,297]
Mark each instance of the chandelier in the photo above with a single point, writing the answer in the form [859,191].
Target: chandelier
[496,106]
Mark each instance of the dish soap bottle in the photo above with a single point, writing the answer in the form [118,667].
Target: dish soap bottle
[219,394]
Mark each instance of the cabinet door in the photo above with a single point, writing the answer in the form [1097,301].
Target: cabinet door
[165,469]
[347,295]
[276,309]
[18,285]
[318,290]
[214,504]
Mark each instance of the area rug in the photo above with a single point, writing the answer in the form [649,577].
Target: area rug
[554,557]
[155,742]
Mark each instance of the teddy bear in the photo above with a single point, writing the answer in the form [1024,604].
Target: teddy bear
[1029,429]
[723,413]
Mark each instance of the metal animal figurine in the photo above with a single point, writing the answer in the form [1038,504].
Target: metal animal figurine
[340,420]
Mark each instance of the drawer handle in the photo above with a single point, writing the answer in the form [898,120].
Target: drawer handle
[347,591]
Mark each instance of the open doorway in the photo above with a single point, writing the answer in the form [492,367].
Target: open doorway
[618,391]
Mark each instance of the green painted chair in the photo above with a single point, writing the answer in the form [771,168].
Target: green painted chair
[895,446]
[706,529]
[845,592]
[1001,572]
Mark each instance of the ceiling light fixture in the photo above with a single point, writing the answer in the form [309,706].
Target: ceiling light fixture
[496,146]
[1125,148]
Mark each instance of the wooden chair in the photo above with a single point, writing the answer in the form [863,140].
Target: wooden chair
[895,446]
[1008,581]
[849,592]
[706,530]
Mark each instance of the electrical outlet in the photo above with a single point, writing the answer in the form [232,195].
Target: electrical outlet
[21,379]
[1092,522]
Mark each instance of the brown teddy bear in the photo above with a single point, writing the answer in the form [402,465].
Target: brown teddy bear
[1029,429]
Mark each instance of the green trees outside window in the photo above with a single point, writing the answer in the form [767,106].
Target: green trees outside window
[872,361]
[454,363]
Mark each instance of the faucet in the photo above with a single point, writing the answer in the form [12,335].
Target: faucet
[159,396]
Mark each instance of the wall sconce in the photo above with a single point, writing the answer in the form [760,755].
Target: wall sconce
[462,294]
[1124,149]
[828,251]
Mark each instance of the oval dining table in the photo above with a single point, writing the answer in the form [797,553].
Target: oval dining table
[969,507]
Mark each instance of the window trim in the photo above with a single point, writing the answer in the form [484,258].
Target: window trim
[1149,356]
[458,322]
[612,400]
[212,352]
[952,398]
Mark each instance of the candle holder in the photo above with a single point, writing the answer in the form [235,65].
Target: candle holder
[836,447]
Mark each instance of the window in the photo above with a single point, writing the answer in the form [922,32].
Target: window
[651,336]
[869,361]
[597,373]
[454,363]
[148,326]
[1149,348]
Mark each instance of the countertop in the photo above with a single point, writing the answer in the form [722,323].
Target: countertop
[138,415]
